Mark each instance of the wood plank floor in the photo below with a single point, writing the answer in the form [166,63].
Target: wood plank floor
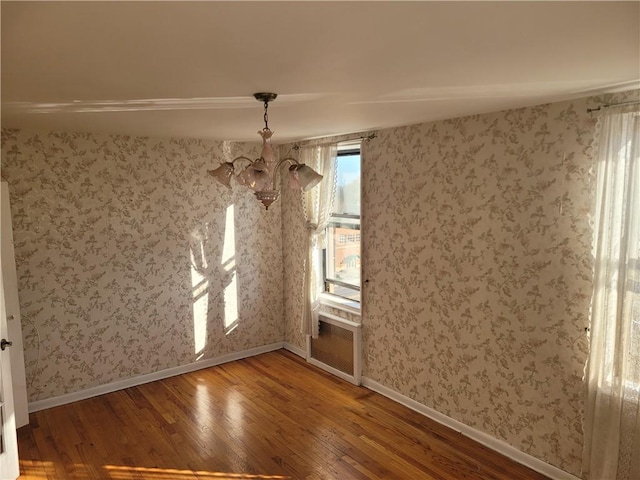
[271,416]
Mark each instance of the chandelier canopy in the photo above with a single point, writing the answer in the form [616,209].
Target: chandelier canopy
[261,174]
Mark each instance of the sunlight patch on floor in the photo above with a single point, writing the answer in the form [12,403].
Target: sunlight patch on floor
[30,472]
[33,470]
[123,472]
[36,470]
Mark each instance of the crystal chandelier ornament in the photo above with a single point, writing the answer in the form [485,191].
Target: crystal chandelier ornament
[261,174]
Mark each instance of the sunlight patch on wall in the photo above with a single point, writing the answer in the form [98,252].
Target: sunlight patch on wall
[199,286]
[229,264]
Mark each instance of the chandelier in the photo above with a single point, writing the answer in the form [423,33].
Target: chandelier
[261,174]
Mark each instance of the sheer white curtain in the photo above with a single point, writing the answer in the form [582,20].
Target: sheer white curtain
[318,203]
[612,413]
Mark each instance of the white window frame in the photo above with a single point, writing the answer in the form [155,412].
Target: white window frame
[330,299]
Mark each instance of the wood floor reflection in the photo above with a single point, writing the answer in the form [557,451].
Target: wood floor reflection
[267,417]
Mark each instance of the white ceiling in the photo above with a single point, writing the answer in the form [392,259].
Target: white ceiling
[189,69]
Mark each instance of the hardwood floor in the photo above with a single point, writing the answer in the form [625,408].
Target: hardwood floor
[267,417]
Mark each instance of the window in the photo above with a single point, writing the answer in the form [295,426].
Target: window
[617,250]
[342,255]
[612,374]
[633,289]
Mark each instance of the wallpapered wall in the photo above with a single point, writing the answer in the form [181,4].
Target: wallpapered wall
[131,259]
[477,252]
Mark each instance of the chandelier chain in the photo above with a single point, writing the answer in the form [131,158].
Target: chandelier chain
[266,115]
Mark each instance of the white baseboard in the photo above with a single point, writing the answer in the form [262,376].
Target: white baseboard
[149,377]
[293,349]
[485,439]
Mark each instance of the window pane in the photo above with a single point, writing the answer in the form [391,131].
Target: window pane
[343,263]
[342,272]
[348,185]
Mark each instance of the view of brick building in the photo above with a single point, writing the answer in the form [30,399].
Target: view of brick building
[343,235]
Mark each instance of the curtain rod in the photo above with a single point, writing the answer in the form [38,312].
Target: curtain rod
[589,110]
[297,146]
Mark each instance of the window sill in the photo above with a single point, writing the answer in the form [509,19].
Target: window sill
[340,303]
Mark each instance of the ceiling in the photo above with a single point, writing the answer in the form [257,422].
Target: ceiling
[189,69]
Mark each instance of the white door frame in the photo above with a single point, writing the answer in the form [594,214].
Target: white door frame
[9,464]
[12,311]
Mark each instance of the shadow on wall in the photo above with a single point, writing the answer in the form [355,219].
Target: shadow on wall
[214,282]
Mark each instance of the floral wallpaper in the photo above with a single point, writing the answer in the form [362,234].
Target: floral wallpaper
[477,256]
[131,259]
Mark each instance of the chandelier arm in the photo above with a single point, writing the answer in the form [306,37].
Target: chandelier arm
[276,170]
[233,162]
[291,160]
